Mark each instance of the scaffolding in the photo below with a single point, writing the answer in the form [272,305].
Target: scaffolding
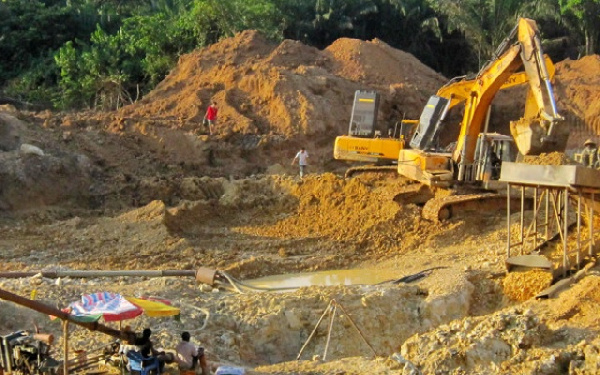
[563,196]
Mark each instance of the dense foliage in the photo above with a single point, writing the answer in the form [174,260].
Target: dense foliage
[105,53]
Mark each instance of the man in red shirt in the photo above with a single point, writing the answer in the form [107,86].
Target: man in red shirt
[211,116]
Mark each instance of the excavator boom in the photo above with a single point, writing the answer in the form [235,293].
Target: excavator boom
[536,132]
[539,129]
[477,157]
[471,169]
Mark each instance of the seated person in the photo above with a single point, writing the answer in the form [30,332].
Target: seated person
[187,355]
[144,341]
[147,348]
[148,358]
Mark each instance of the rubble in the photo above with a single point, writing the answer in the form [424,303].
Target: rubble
[145,188]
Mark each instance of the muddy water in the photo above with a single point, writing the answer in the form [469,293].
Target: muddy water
[325,278]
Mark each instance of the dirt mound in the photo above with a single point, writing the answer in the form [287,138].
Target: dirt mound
[376,62]
[287,89]
[327,199]
[577,305]
[513,341]
[476,345]
[33,171]
[552,158]
[521,286]
[577,85]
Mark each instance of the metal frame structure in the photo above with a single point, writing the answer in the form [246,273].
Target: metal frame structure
[554,189]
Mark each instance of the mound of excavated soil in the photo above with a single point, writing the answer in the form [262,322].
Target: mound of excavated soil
[552,158]
[513,341]
[288,88]
[360,210]
[521,286]
[578,305]
[577,87]
[377,62]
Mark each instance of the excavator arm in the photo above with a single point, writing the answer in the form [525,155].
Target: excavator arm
[458,89]
[534,133]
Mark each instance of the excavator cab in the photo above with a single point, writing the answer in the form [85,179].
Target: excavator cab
[491,151]
[430,123]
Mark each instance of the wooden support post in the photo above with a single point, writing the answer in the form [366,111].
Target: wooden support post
[49,310]
[357,329]
[327,309]
[565,230]
[65,324]
[547,223]
[329,331]
[535,215]
[578,228]
[522,218]
[507,220]
[591,249]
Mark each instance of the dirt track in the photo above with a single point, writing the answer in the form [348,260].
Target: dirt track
[145,188]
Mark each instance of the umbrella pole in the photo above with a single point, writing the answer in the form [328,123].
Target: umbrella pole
[66,347]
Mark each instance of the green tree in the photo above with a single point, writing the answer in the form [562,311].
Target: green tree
[485,23]
[341,18]
[95,76]
[415,25]
[211,20]
[297,19]
[29,30]
[587,14]
[113,66]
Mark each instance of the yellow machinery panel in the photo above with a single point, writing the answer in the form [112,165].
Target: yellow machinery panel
[433,169]
[369,150]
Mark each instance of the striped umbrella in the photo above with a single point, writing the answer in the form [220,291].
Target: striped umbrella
[115,307]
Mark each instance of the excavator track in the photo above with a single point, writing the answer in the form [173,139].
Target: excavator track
[414,193]
[439,209]
[351,172]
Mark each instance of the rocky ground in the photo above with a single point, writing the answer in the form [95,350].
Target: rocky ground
[146,188]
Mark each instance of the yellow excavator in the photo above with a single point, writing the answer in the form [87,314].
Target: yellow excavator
[467,173]
[366,144]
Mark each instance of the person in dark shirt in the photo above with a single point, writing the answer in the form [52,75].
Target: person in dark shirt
[590,154]
[144,342]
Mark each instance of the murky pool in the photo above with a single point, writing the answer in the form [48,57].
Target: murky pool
[325,278]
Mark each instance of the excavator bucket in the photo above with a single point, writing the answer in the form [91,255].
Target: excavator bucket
[536,136]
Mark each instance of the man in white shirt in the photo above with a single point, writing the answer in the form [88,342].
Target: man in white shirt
[302,157]
[187,355]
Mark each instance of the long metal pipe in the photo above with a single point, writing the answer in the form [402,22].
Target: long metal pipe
[53,274]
